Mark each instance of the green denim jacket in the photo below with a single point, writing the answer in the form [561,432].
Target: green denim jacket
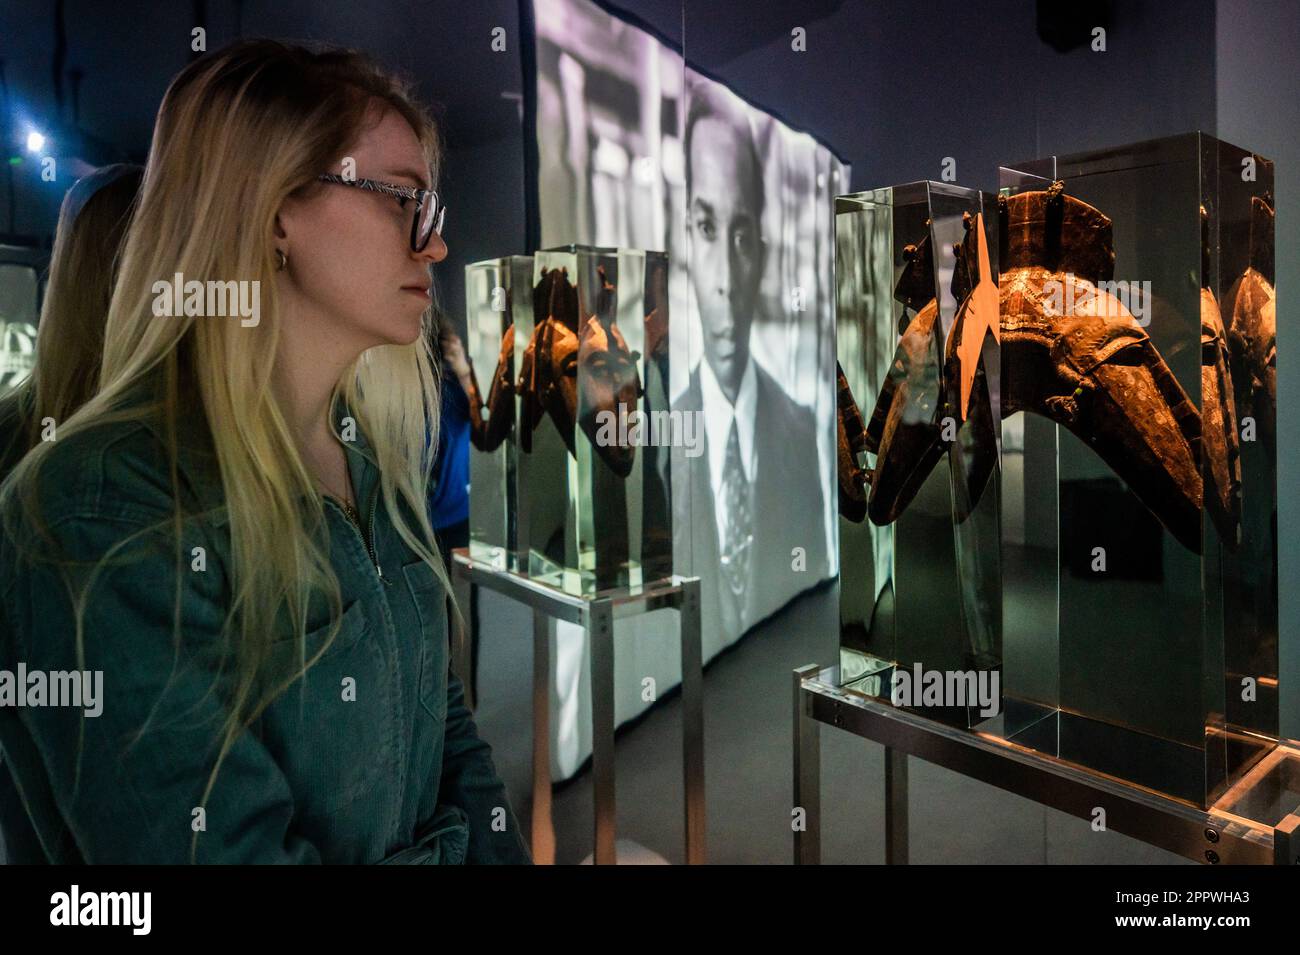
[371,756]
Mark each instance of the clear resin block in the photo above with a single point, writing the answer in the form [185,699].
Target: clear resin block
[594,432]
[495,291]
[1139,447]
[918,448]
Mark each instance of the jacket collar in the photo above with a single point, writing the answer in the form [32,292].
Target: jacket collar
[199,470]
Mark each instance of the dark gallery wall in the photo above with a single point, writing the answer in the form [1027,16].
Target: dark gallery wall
[895,87]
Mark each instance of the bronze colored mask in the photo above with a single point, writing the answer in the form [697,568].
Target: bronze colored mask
[549,382]
[850,442]
[1252,335]
[904,431]
[610,383]
[548,375]
[1218,411]
[923,396]
[1095,371]
[979,315]
[853,436]
[488,435]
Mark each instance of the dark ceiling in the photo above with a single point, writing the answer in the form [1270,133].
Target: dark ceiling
[106,65]
[890,88]
[124,53]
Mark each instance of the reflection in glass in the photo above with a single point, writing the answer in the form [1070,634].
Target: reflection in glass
[595,433]
[495,290]
[916,386]
[18,314]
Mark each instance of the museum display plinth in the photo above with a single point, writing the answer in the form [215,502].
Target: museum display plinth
[1257,822]
[596,615]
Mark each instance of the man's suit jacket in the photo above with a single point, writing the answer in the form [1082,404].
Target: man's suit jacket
[787,508]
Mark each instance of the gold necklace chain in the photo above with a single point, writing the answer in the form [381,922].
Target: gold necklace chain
[348,508]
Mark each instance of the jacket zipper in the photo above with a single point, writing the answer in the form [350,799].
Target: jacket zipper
[369,535]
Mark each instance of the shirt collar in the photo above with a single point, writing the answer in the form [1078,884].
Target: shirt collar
[719,413]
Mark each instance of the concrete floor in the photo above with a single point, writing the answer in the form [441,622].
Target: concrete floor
[748,766]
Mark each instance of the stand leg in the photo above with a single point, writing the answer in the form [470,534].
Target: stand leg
[1286,840]
[461,648]
[692,721]
[895,807]
[807,776]
[543,834]
[599,626]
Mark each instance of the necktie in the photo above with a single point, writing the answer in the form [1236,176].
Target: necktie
[739,536]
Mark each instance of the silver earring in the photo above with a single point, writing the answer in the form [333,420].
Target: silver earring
[281,260]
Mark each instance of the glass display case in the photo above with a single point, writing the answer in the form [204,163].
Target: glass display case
[571,477]
[495,290]
[918,458]
[1082,498]
[20,304]
[1139,542]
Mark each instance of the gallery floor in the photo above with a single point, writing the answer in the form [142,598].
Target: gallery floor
[747,773]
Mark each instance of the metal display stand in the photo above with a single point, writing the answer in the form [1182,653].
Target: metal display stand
[596,616]
[1208,836]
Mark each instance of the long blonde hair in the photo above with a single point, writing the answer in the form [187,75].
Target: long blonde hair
[70,333]
[238,132]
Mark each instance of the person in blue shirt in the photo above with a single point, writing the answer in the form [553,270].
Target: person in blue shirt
[449,485]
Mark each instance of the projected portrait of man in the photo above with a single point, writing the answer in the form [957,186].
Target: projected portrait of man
[756,497]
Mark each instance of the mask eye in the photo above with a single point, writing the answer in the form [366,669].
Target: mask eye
[1131,354]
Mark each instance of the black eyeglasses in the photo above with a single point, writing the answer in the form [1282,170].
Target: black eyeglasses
[430,213]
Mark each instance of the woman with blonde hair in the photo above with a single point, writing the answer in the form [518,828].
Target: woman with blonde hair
[229,542]
[70,342]
[70,333]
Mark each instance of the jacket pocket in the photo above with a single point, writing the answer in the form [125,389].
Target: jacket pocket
[431,607]
[445,843]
